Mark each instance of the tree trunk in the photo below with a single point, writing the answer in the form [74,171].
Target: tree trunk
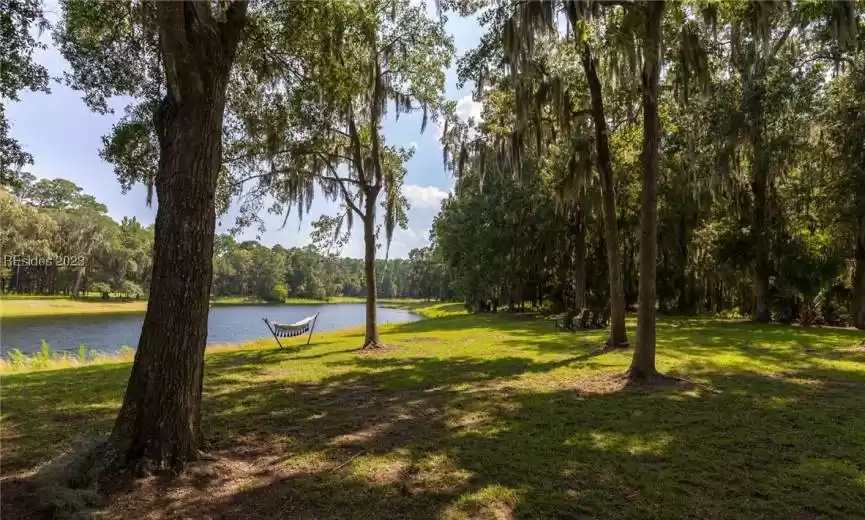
[643,362]
[371,339]
[858,306]
[618,335]
[686,303]
[158,426]
[759,188]
[580,259]
[79,280]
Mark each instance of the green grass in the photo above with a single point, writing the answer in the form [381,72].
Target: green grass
[33,306]
[239,300]
[492,417]
[19,308]
[86,296]
[5,296]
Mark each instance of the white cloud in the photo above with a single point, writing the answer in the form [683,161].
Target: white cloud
[469,108]
[424,196]
[404,240]
[440,130]
[466,108]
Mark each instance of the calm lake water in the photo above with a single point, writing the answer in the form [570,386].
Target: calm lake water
[230,324]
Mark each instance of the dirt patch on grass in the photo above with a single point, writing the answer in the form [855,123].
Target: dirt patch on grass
[381,348]
[210,489]
[18,500]
[610,383]
[422,339]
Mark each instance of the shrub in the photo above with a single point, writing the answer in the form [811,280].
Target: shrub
[278,293]
[809,316]
[128,289]
[42,358]
[320,294]
[99,287]
[17,358]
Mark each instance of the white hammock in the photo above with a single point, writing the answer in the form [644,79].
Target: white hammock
[282,330]
[298,325]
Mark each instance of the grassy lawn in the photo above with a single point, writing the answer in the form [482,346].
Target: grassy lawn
[15,308]
[490,417]
[64,306]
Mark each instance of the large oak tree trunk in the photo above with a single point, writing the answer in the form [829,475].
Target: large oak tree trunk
[158,426]
[618,334]
[643,362]
[371,339]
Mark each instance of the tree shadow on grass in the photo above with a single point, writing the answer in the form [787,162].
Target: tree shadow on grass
[441,439]
[44,412]
[426,437]
[697,340]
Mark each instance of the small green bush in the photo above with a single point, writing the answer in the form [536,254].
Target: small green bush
[278,293]
[17,358]
[42,358]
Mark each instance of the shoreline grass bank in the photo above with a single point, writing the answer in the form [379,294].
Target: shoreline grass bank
[16,362]
[12,308]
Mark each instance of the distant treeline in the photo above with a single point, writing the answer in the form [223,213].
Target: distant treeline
[56,239]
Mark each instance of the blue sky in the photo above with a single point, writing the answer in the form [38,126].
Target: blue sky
[64,137]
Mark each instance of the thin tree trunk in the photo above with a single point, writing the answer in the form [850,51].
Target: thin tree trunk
[79,280]
[371,339]
[858,306]
[759,188]
[686,303]
[580,260]
[643,362]
[158,426]
[618,334]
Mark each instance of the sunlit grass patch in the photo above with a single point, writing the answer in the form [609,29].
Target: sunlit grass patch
[16,308]
[492,502]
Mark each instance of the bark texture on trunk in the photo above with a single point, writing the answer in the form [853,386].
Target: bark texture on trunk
[371,339]
[158,426]
[759,189]
[643,362]
[858,306]
[618,334]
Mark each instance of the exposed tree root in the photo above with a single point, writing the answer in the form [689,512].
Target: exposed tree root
[74,484]
[659,380]
[375,348]
[203,455]
[68,486]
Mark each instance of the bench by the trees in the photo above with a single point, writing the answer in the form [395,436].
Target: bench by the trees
[586,320]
